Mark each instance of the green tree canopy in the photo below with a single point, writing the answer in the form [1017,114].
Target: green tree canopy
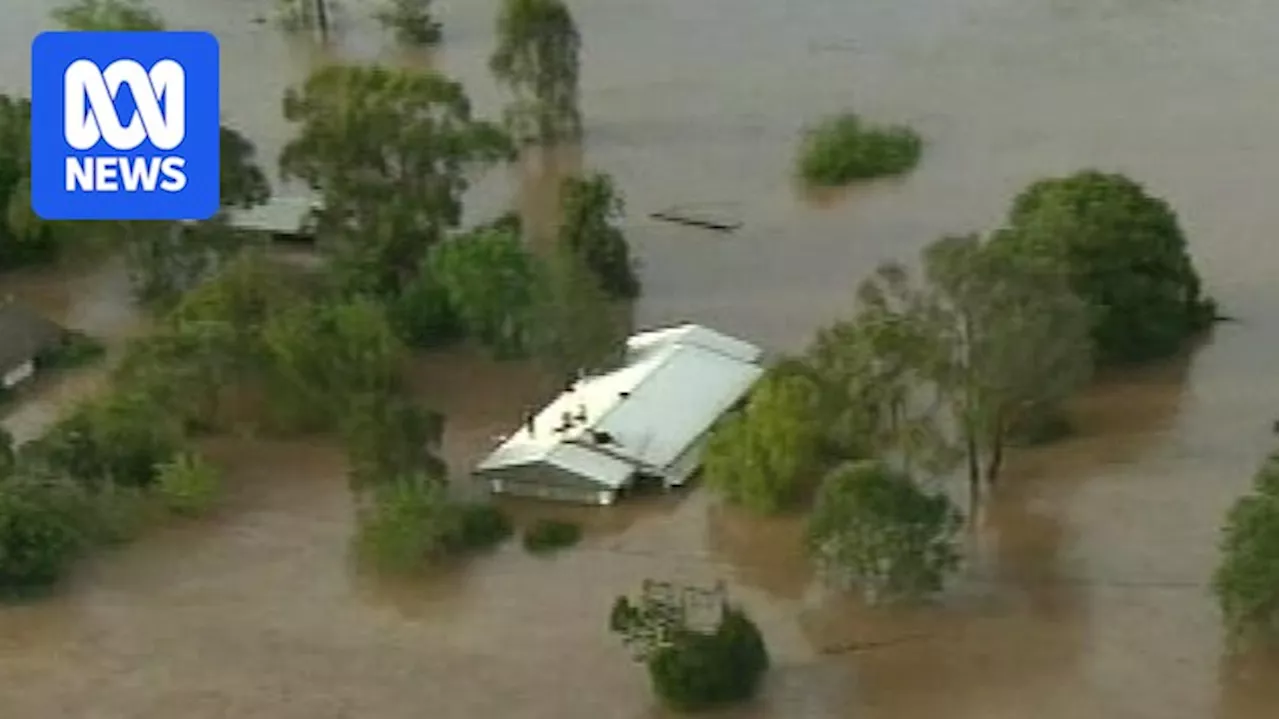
[410,20]
[701,651]
[24,238]
[118,439]
[576,327]
[388,437]
[590,209]
[326,355]
[1246,580]
[875,529]
[491,281]
[39,535]
[1125,255]
[108,15]
[764,457]
[242,184]
[994,335]
[386,149]
[536,59]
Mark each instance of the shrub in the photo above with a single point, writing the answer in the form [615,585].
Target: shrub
[546,535]
[422,314]
[481,525]
[187,484]
[1125,256]
[692,668]
[121,438]
[411,21]
[116,514]
[874,528]
[412,522]
[39,534]
[1246,580]
[592,208]
[764,458]
[409,524]
[843,148]
[703,670]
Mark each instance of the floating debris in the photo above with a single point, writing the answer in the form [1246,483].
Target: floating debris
[694,219]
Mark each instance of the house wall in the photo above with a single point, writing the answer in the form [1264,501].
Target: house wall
[543,481]
[18,374]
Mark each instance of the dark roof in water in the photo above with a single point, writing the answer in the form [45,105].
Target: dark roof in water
[24,333]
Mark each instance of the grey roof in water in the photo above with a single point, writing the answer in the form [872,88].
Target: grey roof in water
[24,333]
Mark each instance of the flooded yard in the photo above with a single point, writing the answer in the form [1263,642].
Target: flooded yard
[1086,594]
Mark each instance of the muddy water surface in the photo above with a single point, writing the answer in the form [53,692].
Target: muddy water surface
[1086,596]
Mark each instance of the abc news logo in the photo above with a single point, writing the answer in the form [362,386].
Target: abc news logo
[159,95]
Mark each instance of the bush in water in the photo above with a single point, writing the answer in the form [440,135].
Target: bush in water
[844,148]
[39,534]
[546,535]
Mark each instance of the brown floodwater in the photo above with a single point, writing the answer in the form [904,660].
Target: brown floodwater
[1086,592]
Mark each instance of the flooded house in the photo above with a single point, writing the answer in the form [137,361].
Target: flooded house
[645,422]
[25,336]
[283,219]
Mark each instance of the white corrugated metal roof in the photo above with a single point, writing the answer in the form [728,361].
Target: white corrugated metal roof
[696,335]
[652,409]
[679,400]
[602,468]
[279,214]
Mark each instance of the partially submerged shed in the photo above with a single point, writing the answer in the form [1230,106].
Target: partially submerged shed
[24,336]
[647,420]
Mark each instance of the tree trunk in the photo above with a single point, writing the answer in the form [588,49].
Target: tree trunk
[996,459]
[322,19]
[975,473]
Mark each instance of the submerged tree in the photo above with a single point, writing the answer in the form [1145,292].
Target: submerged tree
[313,15]
[324,357]
[576,327]
[39,534]
[188,484]
[590,209]
[1125,256]
[1246,580]
[388,436]
[386,149]
[24,238]
[537,60]
[873,528]
[766,456]
[490,280]
[701,651]
[108,15]
[996,336]
[410,20]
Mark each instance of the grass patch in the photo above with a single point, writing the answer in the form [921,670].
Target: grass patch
[844,148]
[548,535]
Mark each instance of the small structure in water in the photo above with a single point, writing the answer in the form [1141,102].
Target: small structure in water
[282,219]
[646,421]
[25,337]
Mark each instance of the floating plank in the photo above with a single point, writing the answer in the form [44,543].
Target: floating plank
[690,220]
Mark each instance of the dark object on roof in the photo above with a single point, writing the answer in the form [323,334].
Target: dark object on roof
[24,333]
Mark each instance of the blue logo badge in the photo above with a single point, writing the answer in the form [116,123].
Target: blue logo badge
[124,125]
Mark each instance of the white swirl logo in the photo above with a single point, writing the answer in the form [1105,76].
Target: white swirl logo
[164,126]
